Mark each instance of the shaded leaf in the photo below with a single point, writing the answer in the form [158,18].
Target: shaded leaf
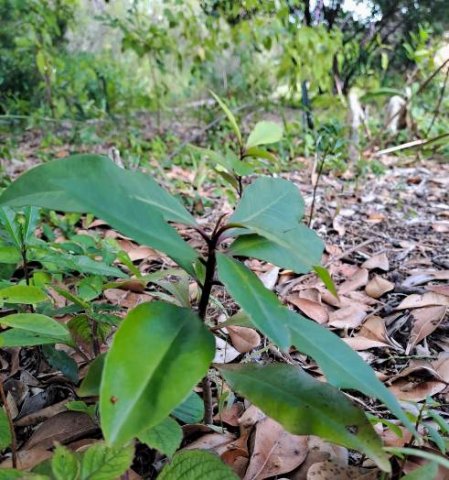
[191,410]
[5,433]
[305,406]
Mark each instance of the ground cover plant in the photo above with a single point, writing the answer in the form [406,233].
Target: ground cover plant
[250,284]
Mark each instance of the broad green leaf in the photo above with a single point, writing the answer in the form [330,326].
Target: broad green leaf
[269,205]
[265,310]
[22,294]
[23,338]
[197,465]
[305,406]
[65,464]
[158,354]
[325,276]
[101,462]
[426,472]
[5,433]
[297,249]
[241,319]
[37,325]
[9,255]
[260,153]
[342,366]
[80,406]
[131,202]
[61,361]
[264,133]
[84,264]
[166,436]
[230,116]
[191,410]
[90,386]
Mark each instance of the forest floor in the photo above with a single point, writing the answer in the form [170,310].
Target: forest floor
[387,248]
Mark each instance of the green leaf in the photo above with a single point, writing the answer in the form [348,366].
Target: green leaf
[64,464]
[90,386]
[426,472]
[191,410]
[34,325]
[23,338]
[158,354]
[230,116]
[31,218]
[305,406]
[101,462]
[197,465]
[342,366]
[269,205]
[22,294]
[131,202]
[60,360]
[297,249]
[9,221]
[325,276]
[264,133]
[5,432]
[9,255]
[166,436]
[12,474]
[260,153]
[265,310]
[416,452]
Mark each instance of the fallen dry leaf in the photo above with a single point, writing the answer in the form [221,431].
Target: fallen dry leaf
[426,321]
[270,277]
[319,451]
[230,415]
[215,442]
[358,280]
[28,459]
[275,451]
[224,351]
[64,427]
[244,339]
[379,261]
[377,286]
[312,309]
[331,470]
[426,300]
[347,317]
[441,289]
[251,416]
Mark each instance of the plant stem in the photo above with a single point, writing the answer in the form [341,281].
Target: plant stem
[11,426]
[202,310]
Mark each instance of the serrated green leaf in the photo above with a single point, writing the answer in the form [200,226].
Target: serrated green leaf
[230,116]
[101,462]
[166,436]
[5,433]
[26,294]
[9,221]
[305,406]
[65,464]
[191,410]
[33,325]
[264,133]
[197,465]
[265,310]
[136,394]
